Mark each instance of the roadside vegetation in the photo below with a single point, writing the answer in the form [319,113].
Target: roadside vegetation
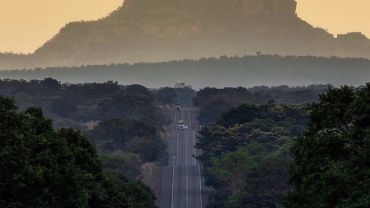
[213,102]
[246,154]
[124,126]
[123,122]
[295,156]
[89,145]
[45,167]
[331,159]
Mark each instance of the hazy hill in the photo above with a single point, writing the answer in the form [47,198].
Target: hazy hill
[222,72]
[158,30]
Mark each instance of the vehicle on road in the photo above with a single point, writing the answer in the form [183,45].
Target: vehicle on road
[180,121]
[178,107]
[182,127]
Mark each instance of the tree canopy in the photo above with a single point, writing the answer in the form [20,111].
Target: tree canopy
[44,167]
[331,160]
[213,102]
[245,154]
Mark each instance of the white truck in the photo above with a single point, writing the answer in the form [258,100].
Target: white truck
[182,127]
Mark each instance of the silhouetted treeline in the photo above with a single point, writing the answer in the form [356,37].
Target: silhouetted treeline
[124,122]
[215,72]
[213,102]
[82,103]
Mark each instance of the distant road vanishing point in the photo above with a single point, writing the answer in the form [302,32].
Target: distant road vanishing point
[182,183]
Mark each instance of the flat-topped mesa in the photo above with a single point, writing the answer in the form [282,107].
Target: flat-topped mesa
[270,7]
[246,7]
[162,30]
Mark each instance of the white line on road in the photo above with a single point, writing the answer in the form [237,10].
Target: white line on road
[173,168]
[199,171]
[195,151]
[200,187]
[173,182]
[175,122]
[186,169]
[190,135]
[189,119]
[177,147]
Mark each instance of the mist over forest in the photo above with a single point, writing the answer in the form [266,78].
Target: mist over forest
[248,71]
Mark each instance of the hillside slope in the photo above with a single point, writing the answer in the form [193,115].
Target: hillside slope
[159,30]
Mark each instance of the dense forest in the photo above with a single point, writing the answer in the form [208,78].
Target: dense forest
[128,123]
[45,167]
[125,123]
[331,159]
[277,155]
[247,71]
[122,127]
[245,154]
[93,144]
[77,104]
[212,102]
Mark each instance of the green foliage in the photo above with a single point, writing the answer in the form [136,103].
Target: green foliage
[129,135]
[124,122]
[266,124]
[124,163]
[166,95]
[245,154]
[331,160]
[118,191]
[113,117]
[250,177]
[43,167]
[212,111]
[213,102]
[185,95]
[80,103]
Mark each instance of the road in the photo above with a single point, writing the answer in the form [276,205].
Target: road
[182,183]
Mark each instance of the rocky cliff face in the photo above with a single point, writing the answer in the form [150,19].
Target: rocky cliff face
[160,30]
[269,7]
[244,7]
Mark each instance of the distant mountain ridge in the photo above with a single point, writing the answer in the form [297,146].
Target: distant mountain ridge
[161,30]
[222,72]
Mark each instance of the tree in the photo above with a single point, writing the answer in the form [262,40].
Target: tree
[167,96]
[243,114]
[251,177]
[43,167]
[331,160]
[245,154]
[212,111]
[119,192]
[131,135]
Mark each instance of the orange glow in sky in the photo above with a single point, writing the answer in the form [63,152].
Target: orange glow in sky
[26,24]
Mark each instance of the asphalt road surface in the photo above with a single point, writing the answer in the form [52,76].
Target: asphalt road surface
[182,183]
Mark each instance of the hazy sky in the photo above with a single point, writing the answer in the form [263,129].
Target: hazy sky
[27,24]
